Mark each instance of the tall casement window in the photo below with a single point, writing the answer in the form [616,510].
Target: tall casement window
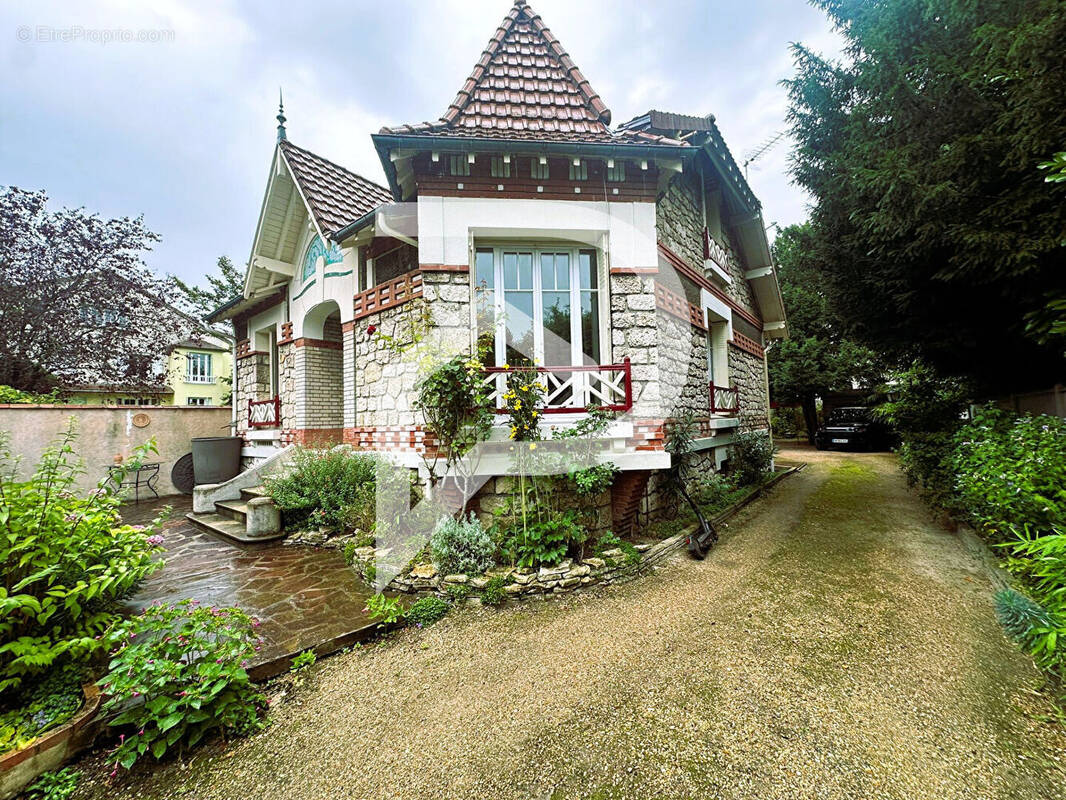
[539,303]
[316,250]
[538,169]
[198,368]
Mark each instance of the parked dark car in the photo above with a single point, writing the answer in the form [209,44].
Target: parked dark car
[854,428]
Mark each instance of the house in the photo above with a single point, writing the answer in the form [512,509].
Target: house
[630,262]
[196,371]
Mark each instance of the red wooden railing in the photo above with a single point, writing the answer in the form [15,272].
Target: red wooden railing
[571,390]
[264,413]
[724,399]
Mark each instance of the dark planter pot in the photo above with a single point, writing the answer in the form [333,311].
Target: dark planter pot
[216,459]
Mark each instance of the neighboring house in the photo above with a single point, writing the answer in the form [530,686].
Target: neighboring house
[199,372]
[196,372]
[637,254]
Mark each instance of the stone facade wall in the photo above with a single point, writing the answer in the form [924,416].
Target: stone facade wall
[288,385]
[253,383]
[683,367]
[495,497]
[635,335]
[680,226]
[385,379]
[747,372]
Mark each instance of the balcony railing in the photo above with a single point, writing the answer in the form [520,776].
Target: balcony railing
[571,390]
[199,378]
[723,399]
[713,250]
[264,413]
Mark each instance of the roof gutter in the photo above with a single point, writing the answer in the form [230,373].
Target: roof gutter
[353,228]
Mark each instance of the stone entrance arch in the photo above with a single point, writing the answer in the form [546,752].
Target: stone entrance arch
[318,363]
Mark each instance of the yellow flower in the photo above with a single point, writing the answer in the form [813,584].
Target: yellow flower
[534,413]
[505,366]
[533,446]
[518,405]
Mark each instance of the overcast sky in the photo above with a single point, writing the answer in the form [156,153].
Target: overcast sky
[181,127]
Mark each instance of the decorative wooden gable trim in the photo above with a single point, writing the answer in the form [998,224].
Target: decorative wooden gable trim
[389,294]
[676,305]
[742,342]
[683,268]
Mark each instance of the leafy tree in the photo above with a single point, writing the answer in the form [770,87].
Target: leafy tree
[199,301]
[936,230]
[77,303]
[816,358]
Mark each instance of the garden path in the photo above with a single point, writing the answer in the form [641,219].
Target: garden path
[835,644]
[303,596]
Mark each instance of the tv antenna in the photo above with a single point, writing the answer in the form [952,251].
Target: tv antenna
[760,150]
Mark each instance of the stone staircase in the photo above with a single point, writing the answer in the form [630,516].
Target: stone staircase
[251,518]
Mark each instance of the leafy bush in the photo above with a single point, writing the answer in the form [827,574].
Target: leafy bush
[181,668]
[543,541]
[713,490]
[925,409]
[454,402]
[330,489]
[751,458]
[386,610]
[427,610]
[302,661]
[11,395]
[64,562]
[493,594]
[524,400]
[461,546]
[1010,471]
[41,706]
[58,785]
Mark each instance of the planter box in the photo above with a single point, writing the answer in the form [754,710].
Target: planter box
[20,768]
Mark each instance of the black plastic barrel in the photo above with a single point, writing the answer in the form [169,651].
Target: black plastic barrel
[216,459]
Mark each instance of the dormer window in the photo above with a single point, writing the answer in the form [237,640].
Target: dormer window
[539,169]
[579,170]
[501,166]
[459,165]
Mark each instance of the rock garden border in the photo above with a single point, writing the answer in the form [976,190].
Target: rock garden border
[613,566]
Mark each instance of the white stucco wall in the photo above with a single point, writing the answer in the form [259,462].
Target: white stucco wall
[626,231]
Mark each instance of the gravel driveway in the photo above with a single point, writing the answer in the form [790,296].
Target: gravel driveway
[836,644]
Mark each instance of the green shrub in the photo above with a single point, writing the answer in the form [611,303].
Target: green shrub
[427,610]
[58,785]
[41,706]
[64,562]
[461,546]
[302,661]
[1010,471]
[11,395]
[712,491]
[751,457]
[329,489]
[349,553]
[385,610]
[493,594]
[544,540]
[181,668]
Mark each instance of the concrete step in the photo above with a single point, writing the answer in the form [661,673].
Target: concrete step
[229,528]
[255,491]
[236,510]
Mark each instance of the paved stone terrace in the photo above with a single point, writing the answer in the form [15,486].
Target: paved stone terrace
[302,595]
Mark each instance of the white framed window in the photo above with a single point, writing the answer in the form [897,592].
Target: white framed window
[197,401]
[541,303]
[538,169]
[616,171]
[198,368]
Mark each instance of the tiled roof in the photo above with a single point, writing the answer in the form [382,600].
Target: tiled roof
[336,195]
[526,87]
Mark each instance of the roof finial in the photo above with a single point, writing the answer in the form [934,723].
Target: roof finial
[281,117]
